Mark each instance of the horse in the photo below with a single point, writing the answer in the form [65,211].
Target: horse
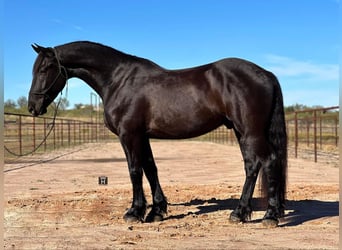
[143,100]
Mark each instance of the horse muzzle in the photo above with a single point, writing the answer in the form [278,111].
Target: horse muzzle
[35,112]
[36,108]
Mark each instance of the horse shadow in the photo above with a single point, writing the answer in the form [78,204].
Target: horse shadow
[297,212]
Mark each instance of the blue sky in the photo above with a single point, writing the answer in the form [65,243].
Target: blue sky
[296,40]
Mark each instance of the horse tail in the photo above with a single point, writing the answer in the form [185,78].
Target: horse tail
[277,139]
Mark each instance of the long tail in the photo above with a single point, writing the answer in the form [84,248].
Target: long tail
[278,139]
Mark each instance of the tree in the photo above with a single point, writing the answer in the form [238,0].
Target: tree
[64,103]
[295,107]
[22,102]
[10,104]
[78,105]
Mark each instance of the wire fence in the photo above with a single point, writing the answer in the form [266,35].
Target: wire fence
[311,134]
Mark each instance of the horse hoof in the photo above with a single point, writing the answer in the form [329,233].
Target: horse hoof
[152,217]
[234,218]
[131,219]
[270,223]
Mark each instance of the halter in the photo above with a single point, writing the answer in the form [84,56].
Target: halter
[61,68]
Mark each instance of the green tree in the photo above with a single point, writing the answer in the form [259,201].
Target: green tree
[22,102]
[63,104]
[78,105]
[10,104]
[295,107]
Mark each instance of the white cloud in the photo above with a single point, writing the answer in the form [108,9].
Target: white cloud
[305,82]
[289,67]
[77,27]
[61,22]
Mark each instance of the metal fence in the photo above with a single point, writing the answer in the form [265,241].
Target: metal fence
[314,131]
[24,134]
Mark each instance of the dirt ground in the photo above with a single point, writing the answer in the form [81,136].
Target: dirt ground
[54,201]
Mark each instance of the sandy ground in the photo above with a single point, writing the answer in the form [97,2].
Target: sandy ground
[54,201]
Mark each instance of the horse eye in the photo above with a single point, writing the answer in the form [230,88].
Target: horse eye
[43,70]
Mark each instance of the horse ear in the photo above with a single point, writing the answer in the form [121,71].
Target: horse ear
[36,47]
[45,51]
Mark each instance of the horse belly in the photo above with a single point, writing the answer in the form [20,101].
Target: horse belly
[183,108]
[182,125]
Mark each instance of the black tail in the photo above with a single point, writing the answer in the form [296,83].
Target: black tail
[278,139]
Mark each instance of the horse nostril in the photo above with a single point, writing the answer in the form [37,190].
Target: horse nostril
[32,111]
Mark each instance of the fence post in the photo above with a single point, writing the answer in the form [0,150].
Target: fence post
[308,133]
[315,135]
[44,124]
[83,132]
[336,131]
[20,137]
[69,136]
[79,140]
[54,135]
[34,132]
[74,129]
[320,132]
[296,135]
[62,139]
[88,139]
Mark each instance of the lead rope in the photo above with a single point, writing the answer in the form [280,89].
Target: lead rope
[51,125]
[54,116]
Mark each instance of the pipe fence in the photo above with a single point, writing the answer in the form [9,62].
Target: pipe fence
[313,132]
[24,134]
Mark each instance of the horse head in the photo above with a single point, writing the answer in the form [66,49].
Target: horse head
[49,78]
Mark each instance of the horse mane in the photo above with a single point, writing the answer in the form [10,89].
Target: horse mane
[98,47]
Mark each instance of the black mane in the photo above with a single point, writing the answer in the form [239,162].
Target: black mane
[98,48]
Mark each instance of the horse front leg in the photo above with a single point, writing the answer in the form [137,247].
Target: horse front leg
[134,154]
[159,208]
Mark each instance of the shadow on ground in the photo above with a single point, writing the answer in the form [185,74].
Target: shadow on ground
[297,212]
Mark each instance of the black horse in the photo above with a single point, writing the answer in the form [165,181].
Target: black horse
[143,100]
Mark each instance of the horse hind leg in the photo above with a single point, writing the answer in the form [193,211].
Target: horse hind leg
[272,173]
[255,152]
[243,211]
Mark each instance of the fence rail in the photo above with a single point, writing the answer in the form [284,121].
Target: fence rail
[315,130]
[24,134]
[311,133]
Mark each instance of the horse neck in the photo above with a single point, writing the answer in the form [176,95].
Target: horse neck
[99,65]
[91,64]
